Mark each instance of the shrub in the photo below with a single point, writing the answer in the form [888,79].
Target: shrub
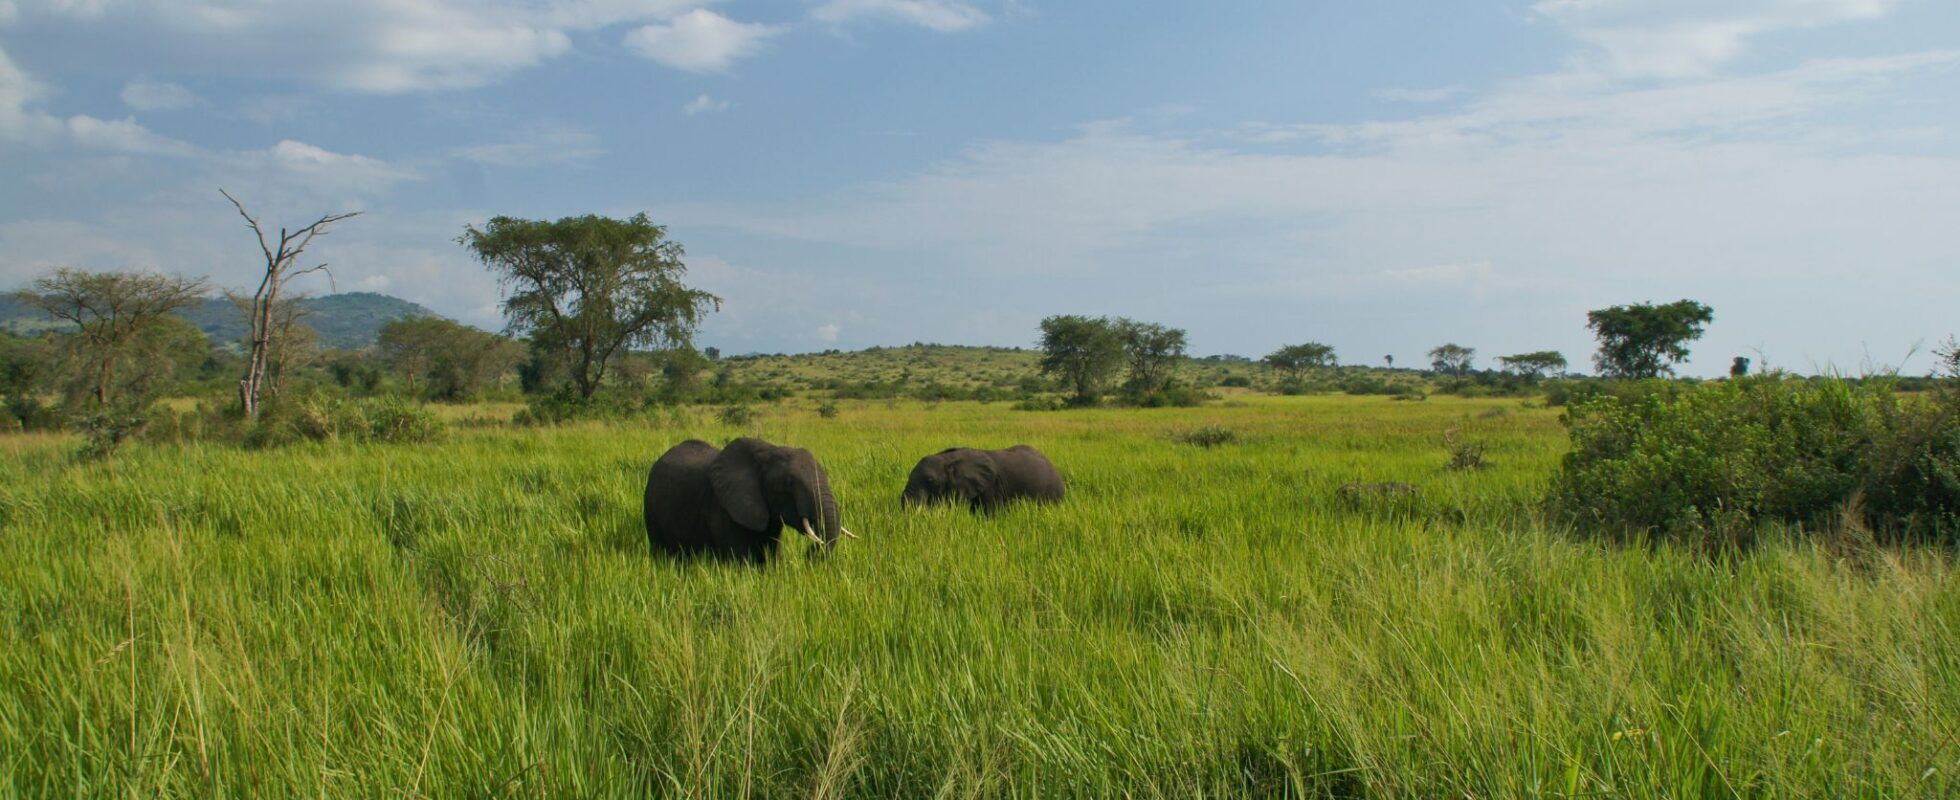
[736,415]
[1236,381]
[1713,461]
[1464,455]
[1207,436]
[104,431]
[399,421]
[827,410]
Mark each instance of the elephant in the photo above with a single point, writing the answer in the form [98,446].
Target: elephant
[732,503]
[984,479]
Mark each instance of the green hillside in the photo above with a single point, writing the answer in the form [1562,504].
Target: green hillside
[346,321]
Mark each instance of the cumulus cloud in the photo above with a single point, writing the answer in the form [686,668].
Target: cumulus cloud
[938,15]
[362,45]
[1680,38]
[144,94]
[699,41]
[704,104]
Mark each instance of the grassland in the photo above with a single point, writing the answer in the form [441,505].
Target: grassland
[481,618]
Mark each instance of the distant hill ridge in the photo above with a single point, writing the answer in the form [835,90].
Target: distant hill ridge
[349,321]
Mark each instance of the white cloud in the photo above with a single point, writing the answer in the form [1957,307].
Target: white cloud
[1756,194]
[827,333]
[699,41]
[20,122]
[144,94]
[1682,38]
[704,104]
[542,143]
[362,45]
[938,15]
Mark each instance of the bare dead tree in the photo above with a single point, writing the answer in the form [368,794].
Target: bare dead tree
[263,329]
[293,343]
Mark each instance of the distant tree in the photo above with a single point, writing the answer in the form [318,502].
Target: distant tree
[585,288]
[1152,351]
[1452,358]
[1644,340]
[1388,361]
[1739,368]
[280,259]
[1294,359]
[444,360]
[713,353]
[113,314]
[1534,365]
[1084,353]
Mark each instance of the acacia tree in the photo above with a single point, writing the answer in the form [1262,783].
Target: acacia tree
[262,330]
[1452,358]
[1152,351]
[1294,359]
[1084,352]
[1534,365]
[585,288]
[1645,340]
[449,360]
[111,312]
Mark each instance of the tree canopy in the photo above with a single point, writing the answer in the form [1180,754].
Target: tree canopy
[1645,340]
[1294,359]
[116,317]
[1083,352]
[1452,358]
[585,288]
[1153,351]
[1534,365]
[444,360]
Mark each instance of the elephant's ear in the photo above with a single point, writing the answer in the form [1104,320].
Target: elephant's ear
[975,476]
[737,481]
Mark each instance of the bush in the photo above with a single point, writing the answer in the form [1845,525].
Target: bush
[103,432]
[1464,455]
[1208,436]
[1236,382]
[326,418]
[736,415]
[1713,461]
[827,410]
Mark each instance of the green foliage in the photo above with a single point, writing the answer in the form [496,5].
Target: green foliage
[1206,436]
[329,418]
[443,360]
[1713,461]
[736,416]
[827,411]
[1294,359]
[1084,353]
[1153,352]
[122,338]
[1644,340]
[585,289]
[1451,359]
[1534,365]
[105,429]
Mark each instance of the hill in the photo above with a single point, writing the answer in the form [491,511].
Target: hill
[345,321]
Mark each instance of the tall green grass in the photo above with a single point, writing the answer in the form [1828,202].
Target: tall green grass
[481,618]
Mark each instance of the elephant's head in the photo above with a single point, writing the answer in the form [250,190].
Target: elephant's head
[959,473]
[760,484]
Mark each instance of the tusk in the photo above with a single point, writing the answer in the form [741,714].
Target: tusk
[846,531]
[810,533]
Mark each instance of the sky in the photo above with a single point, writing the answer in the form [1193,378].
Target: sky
[1379,176]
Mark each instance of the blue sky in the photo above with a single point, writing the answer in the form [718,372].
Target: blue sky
[1380,176]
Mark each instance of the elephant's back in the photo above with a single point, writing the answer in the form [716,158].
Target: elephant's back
[1039,477]
[676,484]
